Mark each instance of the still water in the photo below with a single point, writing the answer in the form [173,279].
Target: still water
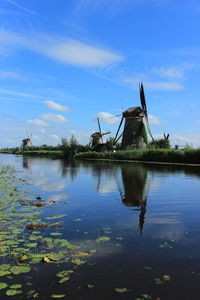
[125,231]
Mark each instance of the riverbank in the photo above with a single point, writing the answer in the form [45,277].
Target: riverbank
[190,156]
[172,156]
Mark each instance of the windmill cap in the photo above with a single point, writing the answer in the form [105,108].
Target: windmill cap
[133,112]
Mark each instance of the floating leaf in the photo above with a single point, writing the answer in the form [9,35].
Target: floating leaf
[58,296]
[56,217]
[82,254]
[13,292]
[15,286]
[78,261]
[122,290]
[48,260]
[158,281]
[22,258]
[77,220]
[103,239]
[55,233]
[166,277]
[90,286]
[64,279]
[63,274]
[19,269]
[3,285]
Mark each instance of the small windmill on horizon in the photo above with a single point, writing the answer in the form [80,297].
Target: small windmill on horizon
[26,142]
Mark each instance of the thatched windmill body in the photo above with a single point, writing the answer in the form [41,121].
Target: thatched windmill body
[97,137]
[134,133]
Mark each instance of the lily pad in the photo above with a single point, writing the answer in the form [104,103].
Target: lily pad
[13,292]
[122,290]
[3,285]
[103,239]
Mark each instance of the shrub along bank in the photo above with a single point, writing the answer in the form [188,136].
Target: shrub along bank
[187,156]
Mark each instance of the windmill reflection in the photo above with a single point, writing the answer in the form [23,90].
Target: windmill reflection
[134,180]
[130,181]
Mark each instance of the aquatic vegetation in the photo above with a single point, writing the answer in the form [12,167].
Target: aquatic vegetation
[103,239]
[122,290]
[22,246]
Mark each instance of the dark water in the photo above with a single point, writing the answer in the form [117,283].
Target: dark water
[148,216]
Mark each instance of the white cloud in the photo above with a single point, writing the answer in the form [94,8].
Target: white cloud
[37,122]
[153,120]
[53,105]
[107,118]
[54,118]
[174,72]
[54,137]
[154,85]
[32,12]
[81,54]
[61,49]
[9,75]
[42,130]
[182,139]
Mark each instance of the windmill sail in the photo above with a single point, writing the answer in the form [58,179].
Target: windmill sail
[144,107]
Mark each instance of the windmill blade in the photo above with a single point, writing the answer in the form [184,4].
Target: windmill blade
[99,125]
[142,98]
[104,133]
[120,124]
[100,129]
[148,127]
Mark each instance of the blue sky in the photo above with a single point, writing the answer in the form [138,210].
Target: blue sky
[65,62]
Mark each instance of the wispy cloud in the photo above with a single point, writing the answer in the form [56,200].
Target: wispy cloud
[154,85]
[62,49]
[56,106]
[107,118]
[54,118]
[16,4]
[54,137]
[154,120]
[172,73]
[37,122]
[18,94]
[9,75]
[109,8]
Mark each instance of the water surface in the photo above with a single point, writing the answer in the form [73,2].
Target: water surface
[137,227]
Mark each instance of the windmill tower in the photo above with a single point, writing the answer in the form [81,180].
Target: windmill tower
[97,137]
[27,142]
[134,131]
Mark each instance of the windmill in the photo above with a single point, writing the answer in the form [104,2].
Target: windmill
[27,142]
[97,137]
[134,130]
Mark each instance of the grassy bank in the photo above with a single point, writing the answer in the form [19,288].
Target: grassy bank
[54,153]
[190,156]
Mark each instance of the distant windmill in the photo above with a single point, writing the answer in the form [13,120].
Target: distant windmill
[97,137]
[134,129]
[27,142]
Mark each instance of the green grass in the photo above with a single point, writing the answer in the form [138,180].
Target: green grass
[57,153]
[189,156]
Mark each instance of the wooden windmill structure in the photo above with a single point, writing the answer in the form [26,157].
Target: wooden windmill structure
[134,131]
[97,137]
[27,142]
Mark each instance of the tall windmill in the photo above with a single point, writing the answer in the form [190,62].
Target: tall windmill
[97,137]
[134,130]
[27,142]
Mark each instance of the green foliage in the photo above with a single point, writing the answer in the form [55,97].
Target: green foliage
[143,133]
[159,144]
[191,156]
